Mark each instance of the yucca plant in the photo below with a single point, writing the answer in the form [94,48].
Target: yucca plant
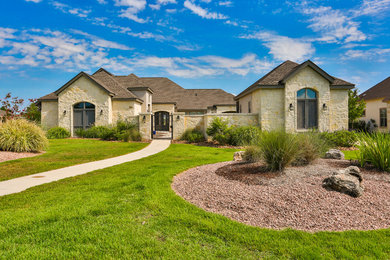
[20,135]
[375,150]
[278,149]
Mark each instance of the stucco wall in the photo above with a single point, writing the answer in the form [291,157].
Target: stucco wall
[84,90]
[372,111]
[164,107]
[223,109]
[49,114]
[146,97]
[124,109]
[307,78]
[243,102]
[338,109]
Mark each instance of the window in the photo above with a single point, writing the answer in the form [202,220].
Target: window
[383,117]
[364,113]
[249,107]
[307,115]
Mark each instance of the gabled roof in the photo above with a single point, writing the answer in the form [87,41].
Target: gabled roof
[164,90]
[380,90]
[277,77]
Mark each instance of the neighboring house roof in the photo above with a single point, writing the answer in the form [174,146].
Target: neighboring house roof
[277,77]
[164,90]
[380,90]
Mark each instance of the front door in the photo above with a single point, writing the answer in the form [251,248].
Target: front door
[161,121]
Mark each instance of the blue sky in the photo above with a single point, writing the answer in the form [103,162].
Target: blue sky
[225,44]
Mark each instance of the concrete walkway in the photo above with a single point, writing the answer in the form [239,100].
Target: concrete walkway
[23,183]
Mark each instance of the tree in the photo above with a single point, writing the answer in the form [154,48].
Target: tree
[32,112]
[11,106]
[356,106]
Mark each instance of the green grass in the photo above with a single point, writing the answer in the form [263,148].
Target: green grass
[66,152]
[351,155]
[129,211]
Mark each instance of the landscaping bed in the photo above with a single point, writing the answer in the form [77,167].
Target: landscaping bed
[8,156]
[294,198]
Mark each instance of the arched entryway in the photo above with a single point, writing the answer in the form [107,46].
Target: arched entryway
[83,115]
[307,112]
[161,121]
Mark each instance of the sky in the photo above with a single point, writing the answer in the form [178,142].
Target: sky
[226,44]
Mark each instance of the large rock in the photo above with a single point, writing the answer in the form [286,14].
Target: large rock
[334,154]
[348,181]
[238,156]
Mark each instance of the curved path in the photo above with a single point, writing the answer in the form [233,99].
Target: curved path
[23,183]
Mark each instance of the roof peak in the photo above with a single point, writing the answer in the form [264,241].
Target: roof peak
[102,70]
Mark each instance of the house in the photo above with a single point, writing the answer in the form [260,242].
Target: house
[103,98]
[297,97]
[377,101]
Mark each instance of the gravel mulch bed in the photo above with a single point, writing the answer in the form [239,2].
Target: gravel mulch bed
[290,199]
[8,156]
[207,144]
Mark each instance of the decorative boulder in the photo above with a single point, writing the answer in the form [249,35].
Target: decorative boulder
[238,156]
[334,154]
[346,181]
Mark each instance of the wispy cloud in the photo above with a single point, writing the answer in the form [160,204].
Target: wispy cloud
[372,7]
[34,1]
[225,3]
[283,47]
[71,10]
[374,54]
[132,8]
[202,12]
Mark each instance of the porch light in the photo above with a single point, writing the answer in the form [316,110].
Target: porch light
[101,112]
[64,112]
[324,107]
[178,117]
[144,118]
[291,107]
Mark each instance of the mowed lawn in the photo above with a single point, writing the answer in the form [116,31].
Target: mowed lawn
[66,152]
[130,211]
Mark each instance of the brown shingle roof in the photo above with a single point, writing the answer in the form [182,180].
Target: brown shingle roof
[380,90]
[164,91]
[275,77]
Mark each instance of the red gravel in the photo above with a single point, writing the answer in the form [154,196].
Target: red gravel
[292,199]
[7,156]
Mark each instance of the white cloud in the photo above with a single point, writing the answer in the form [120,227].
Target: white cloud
[102,2]
[225,3]
[68,9]
[34,1]
[372,7]
[375,54]
[202,12]
[133,7]
[284,48]
[333,25]
[160,3]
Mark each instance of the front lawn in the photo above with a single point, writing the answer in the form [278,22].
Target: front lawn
[351,155]
[66,152]
[129,211]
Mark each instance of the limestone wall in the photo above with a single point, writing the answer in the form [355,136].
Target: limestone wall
[182,122]
[145,125]
[271,115]
[124,109]
[223,109]
[307,78]
[84,90]
[49,114]
[338,110]
[163,107]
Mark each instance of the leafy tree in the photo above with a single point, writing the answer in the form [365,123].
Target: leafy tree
[356,106]
[32,112]
[11,105]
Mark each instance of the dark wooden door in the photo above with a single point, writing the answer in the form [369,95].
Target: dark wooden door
[161,121]
[307,114]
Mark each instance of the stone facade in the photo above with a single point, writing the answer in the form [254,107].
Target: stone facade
[164,107]
[84,90]
[124,109]
[273,104]
[49,114]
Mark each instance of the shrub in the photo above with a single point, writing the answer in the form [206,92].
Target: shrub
[312,146]
[123,125]
[57,133]
[20,135]
[128,135]
[220,131]
[245,135]
[341,138]
[102,132]
[363,126]
[252,154]
[375,150]
[193,136]
[123,131]
[278,149]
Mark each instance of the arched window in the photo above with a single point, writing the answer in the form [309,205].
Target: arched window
[307,112]
[83,115]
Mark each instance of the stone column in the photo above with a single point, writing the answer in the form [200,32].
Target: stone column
[145,125]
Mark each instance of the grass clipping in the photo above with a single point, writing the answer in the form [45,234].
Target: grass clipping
[20,135]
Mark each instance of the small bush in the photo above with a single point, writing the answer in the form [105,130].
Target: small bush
[218,126]
[102,132]
[375,150]
[312,146]
[245,135]
[193,136]
[252,154]
[20,135]
[278,149]
[57,133]
[363,126]
[341,138]
[128,135]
